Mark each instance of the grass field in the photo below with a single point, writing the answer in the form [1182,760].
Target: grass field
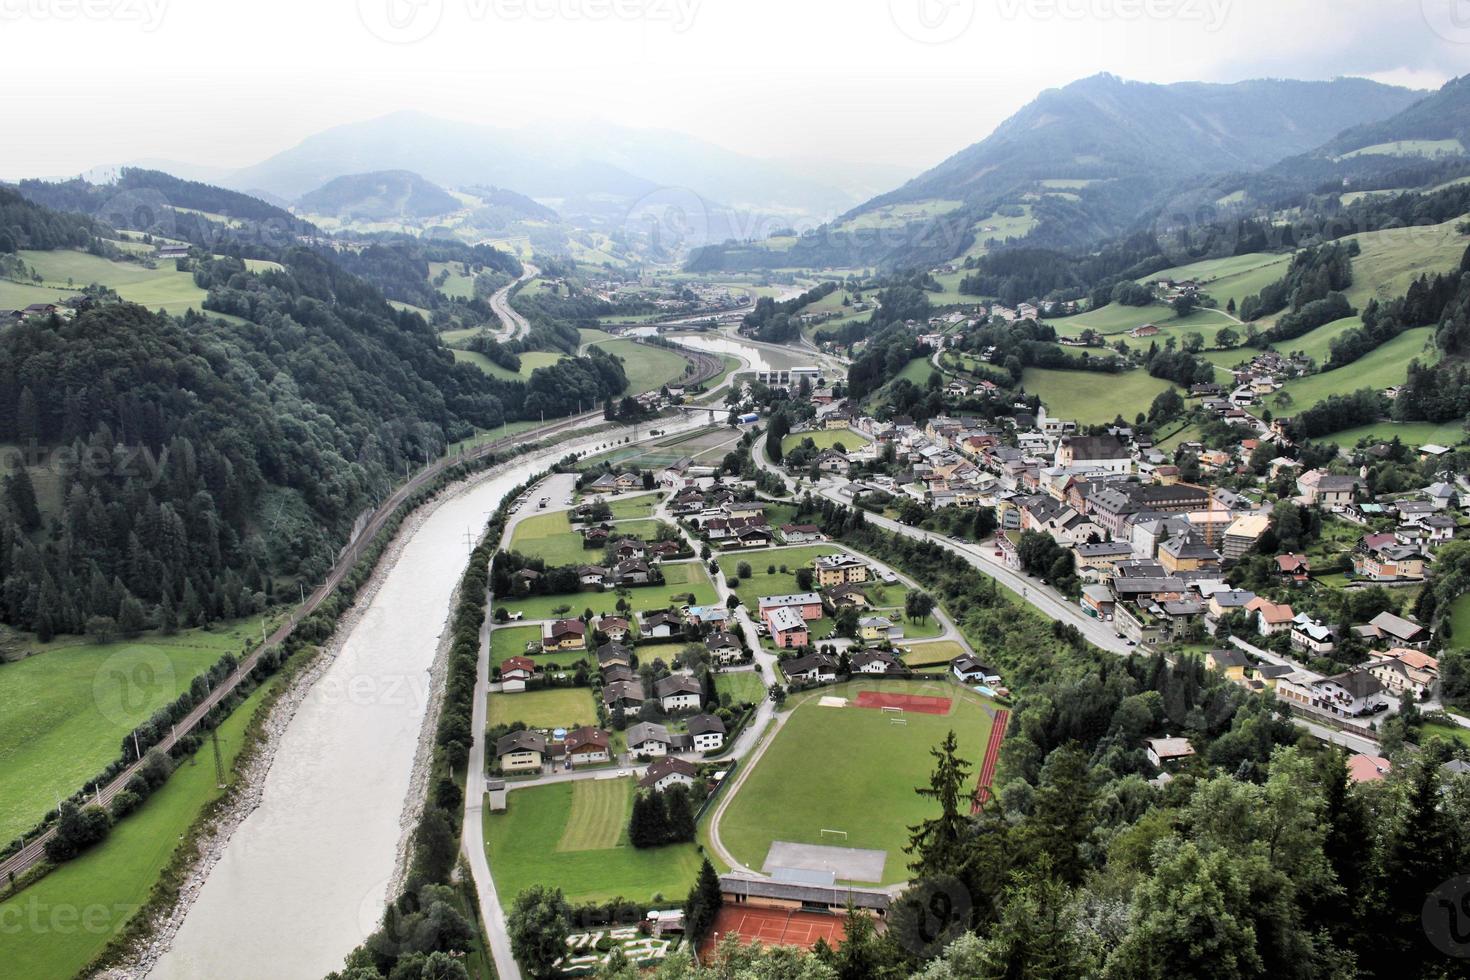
[1394,258]
[1410,433]
[741,685]
[104,887]
[573,836]
[1450,731]
[1116,319]
[551,707]
[550,536]
[1317,344]
[67,709]
[648,367]
[530,361]
[762,582]
[1409,148]
[1093,397]
[679,580]
[1460,621]
[1234,277]
[826,439]
[850,769]
[164,286]
[490,435]
[625,507]
[1382,367]
[510,641]
[930,654]
[458,285]
[917,371]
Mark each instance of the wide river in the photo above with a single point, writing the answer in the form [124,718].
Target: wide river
[304,878]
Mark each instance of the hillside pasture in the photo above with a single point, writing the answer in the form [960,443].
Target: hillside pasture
[164,287]
[1092,397]
[1385,366]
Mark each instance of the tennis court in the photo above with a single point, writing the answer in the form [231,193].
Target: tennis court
[774,927]
[917,703]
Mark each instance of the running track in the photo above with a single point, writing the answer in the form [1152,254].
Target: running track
[992,757]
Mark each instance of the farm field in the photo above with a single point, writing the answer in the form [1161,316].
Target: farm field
[1410,433]
[1409,148]
[1118,319]
[68,708]
[164,287]
[1385,366]
[111,881]
[1394,258]
[458,285]
[680,580]
[1234,277]
[1093,397]
[550,707]
[762,582]
[648,367]
[628,507]
[826,439]
[1317,344]
[850,769]
[573,836]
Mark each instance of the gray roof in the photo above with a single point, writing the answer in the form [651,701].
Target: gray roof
[647,731]
[837,896]
[522,741]
[705,724]
[676,684]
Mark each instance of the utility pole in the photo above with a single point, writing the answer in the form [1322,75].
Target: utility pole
[219,765]
[136,751]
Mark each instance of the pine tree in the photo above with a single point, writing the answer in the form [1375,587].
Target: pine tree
[936,843]
[680,814]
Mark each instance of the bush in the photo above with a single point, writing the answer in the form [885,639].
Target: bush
[125,803]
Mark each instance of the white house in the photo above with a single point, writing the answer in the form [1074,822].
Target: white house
[678,692]
[666,772]
[707,732]
[972,671]
[647,738]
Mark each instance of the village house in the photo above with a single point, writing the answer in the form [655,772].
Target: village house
[1097,452]
[839,570]
[845,597]
[1270,617]
[587,746]
[1308,635]
[614,654]
[1319,488]
[633,571]
[1381,558]
[1347,695]
[1230,662]
[873,628]
[520,751]
[591,576]
[1401,669]
[724,647]
[649,739]
[661,625]
[628,695]
[514,672]
[801,533]
[614,628]
[666,772]
[875,662]
[1186,553]
[1294,568]
[1163,751]
[564,634]
[807,605]
[971,671]
[1395,631]
[786,626]
[707,733]
[678,692]
[813,668]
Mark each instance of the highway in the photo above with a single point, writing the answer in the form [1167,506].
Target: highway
[515,324]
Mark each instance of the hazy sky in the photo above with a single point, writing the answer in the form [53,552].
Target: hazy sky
[905,82]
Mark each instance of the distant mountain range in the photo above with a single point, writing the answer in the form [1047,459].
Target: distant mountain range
[1086,160]
[383,195]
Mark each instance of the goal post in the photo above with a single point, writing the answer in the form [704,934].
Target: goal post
[898,721]
[892,709]
[833,834]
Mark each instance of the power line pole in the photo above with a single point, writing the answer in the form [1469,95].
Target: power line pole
[219,765]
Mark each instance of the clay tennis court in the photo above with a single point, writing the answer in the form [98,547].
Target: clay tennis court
[917,703]
[774,927]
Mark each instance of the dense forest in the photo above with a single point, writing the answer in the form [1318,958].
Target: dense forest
[772,322]
[175,470]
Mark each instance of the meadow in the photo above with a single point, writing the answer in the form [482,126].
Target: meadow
[573,836]
[67,708]
[550,707]
[680,580]
[939,653]
[84,902]
[826,439]
[1392,259]
[1092,396]
[1116,318]
[762,582]
[741,685]
[1384,366]
[164,287]
[1234,277]
[648,367]
[850,769]
[530,361]
[1409,433]
[550,536]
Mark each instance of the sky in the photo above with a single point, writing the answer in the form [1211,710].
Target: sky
[898,84]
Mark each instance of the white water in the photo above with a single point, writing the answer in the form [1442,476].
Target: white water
[304,879]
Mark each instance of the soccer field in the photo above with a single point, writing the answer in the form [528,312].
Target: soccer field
[853,770]
[573,836]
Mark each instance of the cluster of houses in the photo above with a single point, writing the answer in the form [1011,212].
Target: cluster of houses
[34,309]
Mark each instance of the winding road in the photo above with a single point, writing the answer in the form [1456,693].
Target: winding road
[515,324]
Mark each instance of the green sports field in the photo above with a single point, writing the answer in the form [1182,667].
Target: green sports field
[826,439]
[850,769]
[105,886]
[1092,396]
[573,836]
[551,707]
[67,709]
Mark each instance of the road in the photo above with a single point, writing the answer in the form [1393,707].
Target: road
[515,324]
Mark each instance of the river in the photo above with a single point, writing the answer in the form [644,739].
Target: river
[304,878]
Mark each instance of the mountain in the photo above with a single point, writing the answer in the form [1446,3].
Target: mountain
[1082,162]
[382,195]
[1442,117]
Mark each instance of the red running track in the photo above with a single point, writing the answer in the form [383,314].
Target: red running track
[773,927]
[917,703]
[992,758]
